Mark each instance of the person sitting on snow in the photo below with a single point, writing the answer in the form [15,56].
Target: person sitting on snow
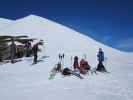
[76,64]
[84,66]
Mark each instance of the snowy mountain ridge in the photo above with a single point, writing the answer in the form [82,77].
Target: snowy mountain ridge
[58,37]
[5,22]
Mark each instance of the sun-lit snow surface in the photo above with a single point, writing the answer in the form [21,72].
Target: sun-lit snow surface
[22,81]
[5,22]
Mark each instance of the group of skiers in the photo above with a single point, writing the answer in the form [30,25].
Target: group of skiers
[80,67]
[29,51]
[83,66]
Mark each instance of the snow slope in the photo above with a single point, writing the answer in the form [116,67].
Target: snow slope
[25,82]
[58,37]
[5,22]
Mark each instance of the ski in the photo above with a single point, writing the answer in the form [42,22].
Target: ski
[37,62]
[76,74]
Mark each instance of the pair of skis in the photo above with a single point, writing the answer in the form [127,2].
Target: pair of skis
[37,62]
[53,74]
[76,74]
[41,59]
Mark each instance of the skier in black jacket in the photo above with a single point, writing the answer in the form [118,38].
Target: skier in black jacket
[35,52]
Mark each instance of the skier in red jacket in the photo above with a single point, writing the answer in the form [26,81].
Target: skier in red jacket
[84,66]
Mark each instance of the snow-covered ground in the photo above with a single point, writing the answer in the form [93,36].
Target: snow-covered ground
[23,81]
[5,22]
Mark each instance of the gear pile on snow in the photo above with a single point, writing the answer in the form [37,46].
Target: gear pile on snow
[80,68]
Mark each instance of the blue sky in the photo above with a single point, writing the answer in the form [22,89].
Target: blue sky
[107,21]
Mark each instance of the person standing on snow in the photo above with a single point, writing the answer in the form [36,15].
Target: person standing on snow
[100,56]
[12,50]
[35,52]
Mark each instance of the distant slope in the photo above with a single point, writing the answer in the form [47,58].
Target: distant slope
[4,22]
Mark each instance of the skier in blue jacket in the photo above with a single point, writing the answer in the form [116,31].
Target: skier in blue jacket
[100,56]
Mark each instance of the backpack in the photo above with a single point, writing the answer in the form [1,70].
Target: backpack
[66,71]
